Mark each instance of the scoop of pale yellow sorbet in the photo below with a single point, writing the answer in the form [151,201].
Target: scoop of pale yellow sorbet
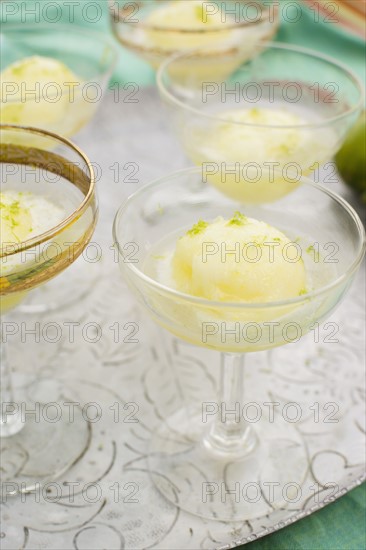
[31,77]
[241,259]
[179,16]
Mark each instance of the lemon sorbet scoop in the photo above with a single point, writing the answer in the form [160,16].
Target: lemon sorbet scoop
[193,15]
[40,69]
[266,135]
[34,75]
[238,260]
[23,216]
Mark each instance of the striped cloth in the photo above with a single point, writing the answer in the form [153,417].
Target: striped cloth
[348,14]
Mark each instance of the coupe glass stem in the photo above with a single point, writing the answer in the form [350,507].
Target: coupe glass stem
[230,433]
[10,414]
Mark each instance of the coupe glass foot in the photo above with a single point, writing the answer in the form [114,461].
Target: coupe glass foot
[51,436]
[207,483]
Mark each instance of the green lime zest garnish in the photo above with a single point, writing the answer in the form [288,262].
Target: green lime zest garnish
[199,12]
[284,148]
[18,71]
[10,212]
[238,219]
[202,15]
[198,228]
[311,249]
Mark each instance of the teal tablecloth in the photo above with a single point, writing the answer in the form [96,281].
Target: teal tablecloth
[338,526]
[341,525]
[325,37]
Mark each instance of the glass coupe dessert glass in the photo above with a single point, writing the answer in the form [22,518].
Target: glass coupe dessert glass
[286,109]
[156,29]
[203,456]
[53,77]
[48,216]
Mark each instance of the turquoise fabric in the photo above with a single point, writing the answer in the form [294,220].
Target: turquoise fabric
[325,37]
[129,67]
[297,27]
[341,525]
[338,526]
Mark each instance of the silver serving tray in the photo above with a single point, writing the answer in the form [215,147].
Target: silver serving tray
[136,374]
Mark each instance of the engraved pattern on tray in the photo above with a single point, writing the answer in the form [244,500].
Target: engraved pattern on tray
[137,374]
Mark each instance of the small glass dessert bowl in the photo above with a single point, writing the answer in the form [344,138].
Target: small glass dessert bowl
[53,77]
[286,109]
[156,29]
[235,282]
[48,213]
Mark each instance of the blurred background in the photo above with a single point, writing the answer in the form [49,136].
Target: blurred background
[336,28]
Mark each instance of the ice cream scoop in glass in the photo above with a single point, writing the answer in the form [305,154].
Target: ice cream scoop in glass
[48,212]
[287,109]
[53,77]
[234,281]
[229,32]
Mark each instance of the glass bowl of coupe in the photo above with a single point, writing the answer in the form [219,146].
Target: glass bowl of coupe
[286,109]
[48,215]
[53,76]
[156,29]
[236,282]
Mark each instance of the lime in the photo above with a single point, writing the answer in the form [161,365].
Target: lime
[351,158]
